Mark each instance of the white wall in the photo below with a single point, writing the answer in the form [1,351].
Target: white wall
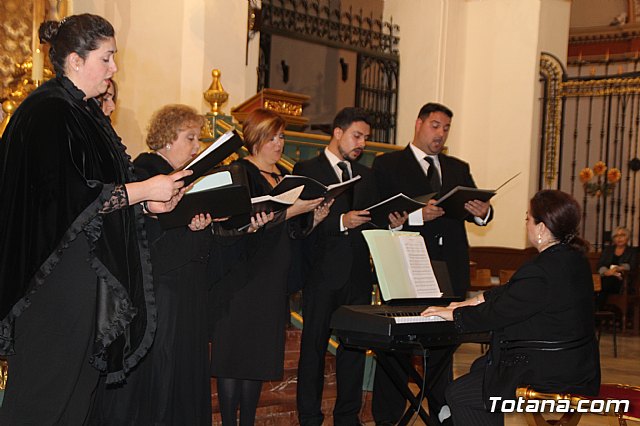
[480,57]
[166,52]
[591,13]
[421,57]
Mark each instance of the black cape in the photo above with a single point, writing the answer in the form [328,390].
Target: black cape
[60,161]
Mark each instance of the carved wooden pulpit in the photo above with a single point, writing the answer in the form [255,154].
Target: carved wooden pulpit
[287,104]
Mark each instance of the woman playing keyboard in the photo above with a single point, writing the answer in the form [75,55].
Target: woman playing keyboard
[542,320]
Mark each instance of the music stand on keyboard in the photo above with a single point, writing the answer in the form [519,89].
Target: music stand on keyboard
[375,327]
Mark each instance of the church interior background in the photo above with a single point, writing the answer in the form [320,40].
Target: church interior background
[547,88]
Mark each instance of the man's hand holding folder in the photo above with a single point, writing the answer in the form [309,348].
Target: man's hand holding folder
[394,211]
[312,188]
[463,201]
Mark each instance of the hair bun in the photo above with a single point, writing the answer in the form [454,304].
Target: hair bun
[48,31]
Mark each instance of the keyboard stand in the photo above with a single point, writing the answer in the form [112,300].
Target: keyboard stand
[394,369]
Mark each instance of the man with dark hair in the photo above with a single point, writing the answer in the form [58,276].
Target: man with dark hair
[339,271]
[421,169]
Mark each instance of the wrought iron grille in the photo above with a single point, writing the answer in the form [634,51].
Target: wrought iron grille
[587,120]
[374,41]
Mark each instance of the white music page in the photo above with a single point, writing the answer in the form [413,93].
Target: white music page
[418,264]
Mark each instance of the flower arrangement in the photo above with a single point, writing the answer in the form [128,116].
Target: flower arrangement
[605,180]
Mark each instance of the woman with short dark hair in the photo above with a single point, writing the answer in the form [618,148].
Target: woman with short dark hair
[542,320]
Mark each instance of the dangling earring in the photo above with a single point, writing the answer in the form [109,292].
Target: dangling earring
[539,238]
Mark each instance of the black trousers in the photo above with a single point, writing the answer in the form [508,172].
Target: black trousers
[464,397]
[318,304]
[389,404]
[50,380]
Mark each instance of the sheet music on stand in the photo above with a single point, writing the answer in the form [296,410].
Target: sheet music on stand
[418,265]
[402,265]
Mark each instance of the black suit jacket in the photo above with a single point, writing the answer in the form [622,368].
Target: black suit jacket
[549,299]
[336,258]
[446,238]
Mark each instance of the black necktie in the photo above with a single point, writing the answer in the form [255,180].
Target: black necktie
[345,171]
[432,175]
[348,195]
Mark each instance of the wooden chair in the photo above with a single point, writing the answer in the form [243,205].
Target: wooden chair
[605,317]
[3,373]
[628,302]
[505,275]
[607,392]
[482,280]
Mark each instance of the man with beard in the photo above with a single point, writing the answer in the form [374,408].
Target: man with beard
[420,169]
[339,270]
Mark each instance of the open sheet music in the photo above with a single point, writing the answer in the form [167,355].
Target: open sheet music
[418,265]
[402,265]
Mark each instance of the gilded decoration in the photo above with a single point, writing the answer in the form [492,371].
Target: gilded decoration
[15,44]
[215,94]
[288,104]
[558,89]
[552,70]
[283,107]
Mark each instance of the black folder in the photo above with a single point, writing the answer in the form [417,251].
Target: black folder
[453,201]
[398,203]
[263,204]
[223,147]
[222,201]
[312,188]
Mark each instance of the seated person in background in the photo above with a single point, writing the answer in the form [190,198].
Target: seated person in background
[542,320]
[615,261]
[107,100]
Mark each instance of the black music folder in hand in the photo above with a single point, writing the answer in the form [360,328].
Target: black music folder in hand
[223,193]
[398,203]
[275,203]
[223,147]
[453,201]
[264,204]
[312,188]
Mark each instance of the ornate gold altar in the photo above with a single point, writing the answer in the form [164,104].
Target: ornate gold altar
[23,62]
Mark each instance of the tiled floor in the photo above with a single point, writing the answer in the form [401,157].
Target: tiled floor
[624,369]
